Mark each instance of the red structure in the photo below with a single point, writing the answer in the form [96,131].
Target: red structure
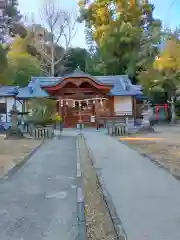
[161,107]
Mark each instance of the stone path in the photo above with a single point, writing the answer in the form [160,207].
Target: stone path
[39,201]
[146,198]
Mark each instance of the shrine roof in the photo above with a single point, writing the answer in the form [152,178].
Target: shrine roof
[121,85]
[34,90]
[8,91]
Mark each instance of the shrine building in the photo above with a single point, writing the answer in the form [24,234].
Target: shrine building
[81,97]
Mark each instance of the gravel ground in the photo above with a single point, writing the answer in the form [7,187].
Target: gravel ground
[98,221]
[13,152]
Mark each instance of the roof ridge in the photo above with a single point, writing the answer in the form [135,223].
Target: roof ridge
[46,77]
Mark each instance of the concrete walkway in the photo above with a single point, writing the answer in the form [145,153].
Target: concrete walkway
[39,201]
[146,198]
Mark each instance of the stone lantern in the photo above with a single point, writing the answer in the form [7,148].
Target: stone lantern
[14,131]
[147,116]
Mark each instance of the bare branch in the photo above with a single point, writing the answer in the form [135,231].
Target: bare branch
[61,25]
[52,40]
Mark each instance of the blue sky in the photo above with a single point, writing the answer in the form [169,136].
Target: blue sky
[170,17]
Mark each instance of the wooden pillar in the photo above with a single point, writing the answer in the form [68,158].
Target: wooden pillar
[6,109]
[111,106]
[134,107]
[96,111]
[59,106]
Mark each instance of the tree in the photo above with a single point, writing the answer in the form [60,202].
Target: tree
[163,77]
[10,22]
[75,57]
[3,66]
[168,64]
[12,10]
[16,27]
[60,27]
[22,66]
[123,33]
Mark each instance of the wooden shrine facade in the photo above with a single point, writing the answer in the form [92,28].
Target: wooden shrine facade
[85,99]
[81,99]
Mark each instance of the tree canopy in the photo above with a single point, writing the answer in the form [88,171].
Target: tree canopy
[22,65]
[163,75]
[125,35]
[75,57]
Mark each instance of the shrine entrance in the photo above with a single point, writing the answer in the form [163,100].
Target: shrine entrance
[84,110]
[81,100]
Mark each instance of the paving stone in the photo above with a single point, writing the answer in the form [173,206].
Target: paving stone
[39,202]
[146,198]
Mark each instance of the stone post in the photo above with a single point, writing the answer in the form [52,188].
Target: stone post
[173,113]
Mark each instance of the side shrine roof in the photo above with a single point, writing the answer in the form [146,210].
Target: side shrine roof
[34,90]
[8,91]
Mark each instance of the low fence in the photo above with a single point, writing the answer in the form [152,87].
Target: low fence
[121,125]
[108,119]
[41,132]
[116,128]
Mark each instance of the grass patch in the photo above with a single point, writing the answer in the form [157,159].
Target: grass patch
[98,221]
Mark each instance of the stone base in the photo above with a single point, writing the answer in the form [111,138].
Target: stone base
[2,130]
[146,129]
[177,121]
[14,133]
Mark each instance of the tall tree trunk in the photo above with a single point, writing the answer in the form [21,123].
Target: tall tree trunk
[173,113]
[52,59]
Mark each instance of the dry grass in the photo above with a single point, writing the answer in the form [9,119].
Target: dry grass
[168,154]
[13,152]
[98,221]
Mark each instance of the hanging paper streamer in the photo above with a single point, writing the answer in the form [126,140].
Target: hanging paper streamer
[101,101]
[94,102]
[66,103]
[74,104]
[87,102]
[61,103]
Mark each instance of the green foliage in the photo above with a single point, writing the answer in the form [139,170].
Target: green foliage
[12,10]
[126,35]
[75,57]
[168,66]
[22,66]
[43,112]
[41,117]
[164,73]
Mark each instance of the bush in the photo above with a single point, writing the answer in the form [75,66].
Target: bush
[43,113]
